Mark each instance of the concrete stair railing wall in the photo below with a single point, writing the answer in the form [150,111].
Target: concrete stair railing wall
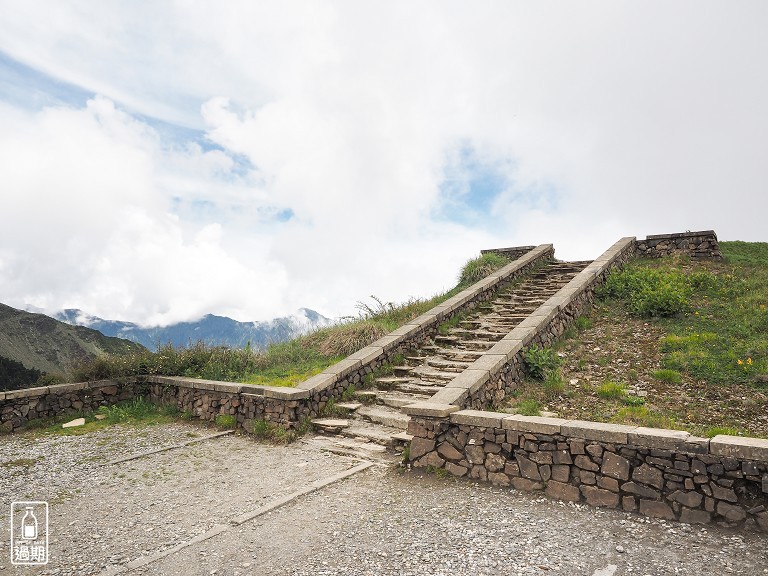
[287,406]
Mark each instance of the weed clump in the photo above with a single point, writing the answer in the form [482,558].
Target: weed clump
[225,421]
[528,407]
[612,390]
[540,361]
[266,430]
[668,376]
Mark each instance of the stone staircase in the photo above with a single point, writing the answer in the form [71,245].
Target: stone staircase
[374,422]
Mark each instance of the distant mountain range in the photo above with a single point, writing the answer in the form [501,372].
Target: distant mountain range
[31,343]
[210,329]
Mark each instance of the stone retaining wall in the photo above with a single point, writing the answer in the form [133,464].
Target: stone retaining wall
[17,407]
[661,473]
[701,244]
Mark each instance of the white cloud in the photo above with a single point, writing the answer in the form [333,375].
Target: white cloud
[87,221]
[605,119]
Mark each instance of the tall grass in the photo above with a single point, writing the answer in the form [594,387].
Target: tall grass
[478,268]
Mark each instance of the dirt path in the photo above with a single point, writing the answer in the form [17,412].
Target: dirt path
[378,521]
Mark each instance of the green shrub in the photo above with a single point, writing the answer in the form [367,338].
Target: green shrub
[540,361]
[570,333]
[674,342]
[666,299]
[349,393]
[261,428]
[445,326]
[50,380]
[131,410]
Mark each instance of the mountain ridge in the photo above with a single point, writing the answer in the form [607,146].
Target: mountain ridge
[210,329]
[40,342]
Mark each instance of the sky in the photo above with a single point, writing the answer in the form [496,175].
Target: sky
[163,160]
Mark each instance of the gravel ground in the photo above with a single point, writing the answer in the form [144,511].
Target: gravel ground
[380,521]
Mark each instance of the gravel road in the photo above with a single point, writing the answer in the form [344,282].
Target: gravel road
[378,521]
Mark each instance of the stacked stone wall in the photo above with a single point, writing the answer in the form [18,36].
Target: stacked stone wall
[660,473]
[19,407]
[512,253]
[695,244]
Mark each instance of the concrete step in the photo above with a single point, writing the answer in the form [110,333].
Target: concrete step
[382,435]
[475,344]
[455,354]
[385,416]
[402,370]
[477,334]
[447,365]
[331,425]
[351,406]
[389,382]
[427,375]
[398,400]
[415,388]
[365,395]
[345,443]
[402,437]
[355,447]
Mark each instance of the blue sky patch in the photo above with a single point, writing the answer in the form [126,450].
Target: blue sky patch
[30,89]
[476,190]
[471,186]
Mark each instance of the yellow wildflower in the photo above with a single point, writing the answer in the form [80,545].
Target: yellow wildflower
[749,361]
[740,361]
